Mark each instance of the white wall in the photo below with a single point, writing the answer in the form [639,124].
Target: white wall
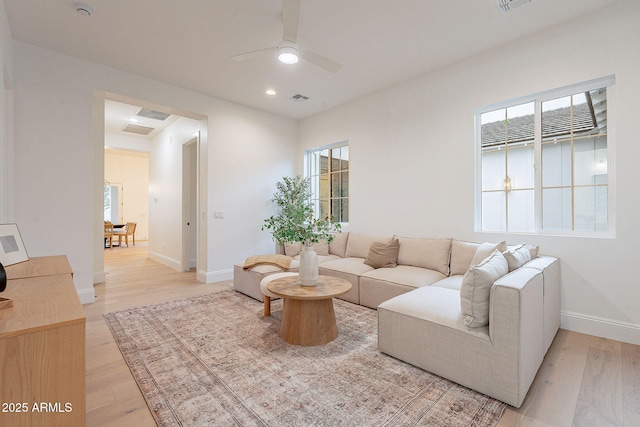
[412,155]
[59,144]
[131,169]
[6,120]
[165,191]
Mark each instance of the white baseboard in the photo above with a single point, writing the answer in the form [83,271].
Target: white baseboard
[87,296]
[215,276]
[165,260]
[600,327]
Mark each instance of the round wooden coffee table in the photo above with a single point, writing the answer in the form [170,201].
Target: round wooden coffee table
[307,312]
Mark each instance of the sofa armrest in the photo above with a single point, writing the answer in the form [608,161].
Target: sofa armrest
[516,329]
[550,268]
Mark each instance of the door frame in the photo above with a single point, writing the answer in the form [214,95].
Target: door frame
[190,202]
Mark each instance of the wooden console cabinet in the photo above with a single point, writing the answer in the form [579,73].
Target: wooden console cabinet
[42,346]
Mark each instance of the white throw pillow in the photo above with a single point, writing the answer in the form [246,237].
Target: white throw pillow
[476,289]
[485,249]
[517,256]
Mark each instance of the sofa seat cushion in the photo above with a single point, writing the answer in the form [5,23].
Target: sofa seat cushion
[406,275]
[451,282]
[347,265]
[433,304]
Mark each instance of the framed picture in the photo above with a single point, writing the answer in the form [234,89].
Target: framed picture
[12,249]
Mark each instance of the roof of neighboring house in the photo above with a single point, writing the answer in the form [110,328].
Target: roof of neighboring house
[555,123]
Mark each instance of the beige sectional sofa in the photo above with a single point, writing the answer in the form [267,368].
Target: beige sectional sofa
[482,315]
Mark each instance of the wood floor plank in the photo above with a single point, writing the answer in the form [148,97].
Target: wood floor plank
[600,400]
[631,384]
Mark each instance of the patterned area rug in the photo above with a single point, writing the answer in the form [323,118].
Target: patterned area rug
[215,360]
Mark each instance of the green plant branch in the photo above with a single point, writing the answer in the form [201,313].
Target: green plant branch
[294,220]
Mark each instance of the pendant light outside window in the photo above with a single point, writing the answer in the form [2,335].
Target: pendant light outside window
[507,184]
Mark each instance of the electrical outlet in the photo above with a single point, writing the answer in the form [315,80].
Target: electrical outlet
[218,215]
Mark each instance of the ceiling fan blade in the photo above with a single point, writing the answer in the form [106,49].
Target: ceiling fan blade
[320,61]
[290,16]
[255,54]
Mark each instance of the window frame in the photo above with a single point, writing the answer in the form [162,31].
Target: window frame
[308,168]
[607,82]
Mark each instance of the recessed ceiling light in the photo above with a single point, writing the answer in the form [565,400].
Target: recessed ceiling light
[270,92]
[133,120]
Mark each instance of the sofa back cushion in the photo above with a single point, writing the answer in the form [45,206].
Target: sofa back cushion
[476,289]
[358,244]
[294,249]
[426,253]
[461,255]
[338,245]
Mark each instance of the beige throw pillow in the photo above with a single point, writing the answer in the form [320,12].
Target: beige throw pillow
[383,255]
[476,289]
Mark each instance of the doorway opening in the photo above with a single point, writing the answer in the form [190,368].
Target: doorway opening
[123,127]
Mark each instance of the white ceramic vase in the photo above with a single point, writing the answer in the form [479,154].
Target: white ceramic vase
[308,270]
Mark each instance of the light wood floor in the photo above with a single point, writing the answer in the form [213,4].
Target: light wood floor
[583,381]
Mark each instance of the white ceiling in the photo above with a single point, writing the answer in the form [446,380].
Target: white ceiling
[119,115]
[189,43]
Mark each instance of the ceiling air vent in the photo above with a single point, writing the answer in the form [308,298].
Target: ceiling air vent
[140,130]
[508,5]
[299,98]
[153,114]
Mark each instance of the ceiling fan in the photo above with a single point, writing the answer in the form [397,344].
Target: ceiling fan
[288,49]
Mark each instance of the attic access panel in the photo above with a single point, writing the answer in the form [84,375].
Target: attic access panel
[153,114]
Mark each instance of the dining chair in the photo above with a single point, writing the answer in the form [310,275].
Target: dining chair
[129,230]
[108,234]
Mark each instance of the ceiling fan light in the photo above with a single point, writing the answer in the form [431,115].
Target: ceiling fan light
[288,55]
